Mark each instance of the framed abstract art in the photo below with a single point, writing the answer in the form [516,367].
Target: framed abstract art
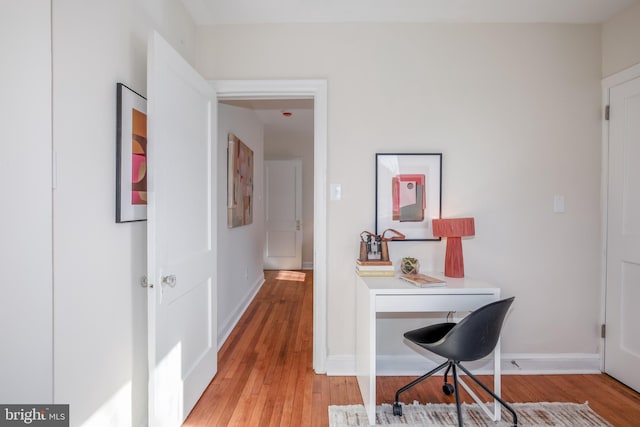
[408,193]
[131,155]
[239,183]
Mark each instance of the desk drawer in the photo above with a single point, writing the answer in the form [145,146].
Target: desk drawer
[438,303]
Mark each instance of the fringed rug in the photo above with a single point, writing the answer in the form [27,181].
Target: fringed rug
[444,415]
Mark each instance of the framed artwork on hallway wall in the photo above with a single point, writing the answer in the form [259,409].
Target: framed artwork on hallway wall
[239,183]
[131,155]
[408,193]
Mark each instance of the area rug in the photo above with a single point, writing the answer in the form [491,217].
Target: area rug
[444,415]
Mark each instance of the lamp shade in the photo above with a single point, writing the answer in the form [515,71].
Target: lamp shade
[454,229]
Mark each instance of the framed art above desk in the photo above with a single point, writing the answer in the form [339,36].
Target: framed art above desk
[408,193]
[376,295]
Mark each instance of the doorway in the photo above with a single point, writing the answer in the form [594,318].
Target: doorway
[315,90]
[288,155]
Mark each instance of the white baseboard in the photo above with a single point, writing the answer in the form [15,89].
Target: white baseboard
[225,330]
[512,364]
[554,363]
[307,265]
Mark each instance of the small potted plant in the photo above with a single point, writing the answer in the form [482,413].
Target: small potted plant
[409,265]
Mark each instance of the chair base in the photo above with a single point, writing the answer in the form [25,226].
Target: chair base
[448,390]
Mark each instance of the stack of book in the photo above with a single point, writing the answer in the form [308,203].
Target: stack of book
[374,268]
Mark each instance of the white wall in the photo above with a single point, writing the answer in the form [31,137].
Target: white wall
[621,41]
[240,249]
[26,358]
[515,111]
[100,309]
[287,145]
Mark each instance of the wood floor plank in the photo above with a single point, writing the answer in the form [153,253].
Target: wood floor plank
[265,375]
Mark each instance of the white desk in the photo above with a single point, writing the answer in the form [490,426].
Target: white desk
[389,294]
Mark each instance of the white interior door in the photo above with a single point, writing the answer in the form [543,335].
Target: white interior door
[181,235]
[622,343]
[283,223]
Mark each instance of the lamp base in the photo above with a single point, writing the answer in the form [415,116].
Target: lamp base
[453,261]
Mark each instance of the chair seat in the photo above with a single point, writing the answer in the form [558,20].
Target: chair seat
[429,334]
[473,338]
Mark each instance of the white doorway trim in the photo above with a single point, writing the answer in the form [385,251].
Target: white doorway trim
[302,89]
[607,84]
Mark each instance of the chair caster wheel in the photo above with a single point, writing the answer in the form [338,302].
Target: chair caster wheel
[397,409]
[447,389]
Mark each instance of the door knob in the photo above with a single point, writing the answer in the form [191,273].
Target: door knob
[169,280]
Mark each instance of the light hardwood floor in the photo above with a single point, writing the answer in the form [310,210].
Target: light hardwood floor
[265,375]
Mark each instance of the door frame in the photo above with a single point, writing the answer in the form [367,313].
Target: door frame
[302,89]
[608,83]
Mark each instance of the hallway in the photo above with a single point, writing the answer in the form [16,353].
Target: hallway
[265,375]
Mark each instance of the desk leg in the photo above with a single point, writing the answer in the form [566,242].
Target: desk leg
[366,349]
[497,409]
[497,374]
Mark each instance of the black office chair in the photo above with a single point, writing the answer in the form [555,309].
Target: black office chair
[473,338]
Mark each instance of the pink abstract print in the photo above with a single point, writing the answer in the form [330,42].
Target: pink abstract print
[408,197]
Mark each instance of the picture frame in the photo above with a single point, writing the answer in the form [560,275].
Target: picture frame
[239,183]
[408,193]
[131,155]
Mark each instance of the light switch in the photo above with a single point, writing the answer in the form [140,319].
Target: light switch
[558,204]
[336,191]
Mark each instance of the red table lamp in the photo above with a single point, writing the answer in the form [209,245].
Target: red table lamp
[454,229]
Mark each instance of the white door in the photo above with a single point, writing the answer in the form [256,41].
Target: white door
[181,235]
[283,223]
[622,343]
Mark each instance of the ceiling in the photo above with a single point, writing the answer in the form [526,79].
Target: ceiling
[269,112]
[212,12]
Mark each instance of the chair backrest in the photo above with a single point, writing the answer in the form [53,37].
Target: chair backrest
[475,336]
